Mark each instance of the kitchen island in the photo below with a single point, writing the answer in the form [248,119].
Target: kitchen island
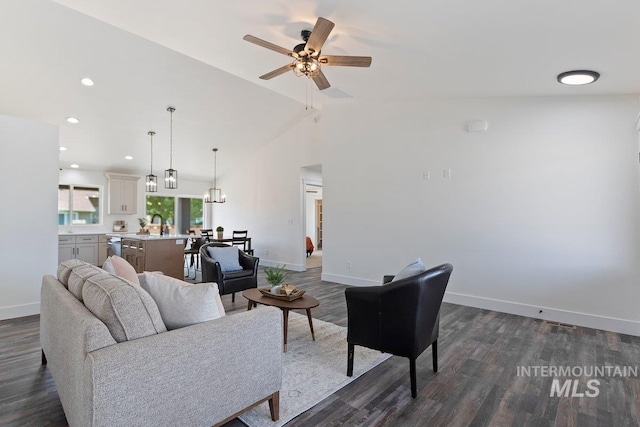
[151,252]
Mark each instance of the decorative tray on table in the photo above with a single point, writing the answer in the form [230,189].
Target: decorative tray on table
[295,294]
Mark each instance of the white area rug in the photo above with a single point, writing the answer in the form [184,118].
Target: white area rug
[312,370]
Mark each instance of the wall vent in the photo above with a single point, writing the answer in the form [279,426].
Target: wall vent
[562,325]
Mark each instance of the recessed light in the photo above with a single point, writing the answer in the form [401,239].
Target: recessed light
[128,157]
[73,120]
[61,148]
[578,77]
[74,166]
[87,81]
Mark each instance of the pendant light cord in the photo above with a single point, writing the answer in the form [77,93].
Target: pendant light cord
[151,134]
[215,167]
[171,140]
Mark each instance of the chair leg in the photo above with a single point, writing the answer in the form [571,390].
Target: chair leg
[233,297]
[274,406]
[44,358]
[350,353]
[412,373]
[434,353]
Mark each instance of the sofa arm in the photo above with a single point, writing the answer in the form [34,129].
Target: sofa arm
[197,375]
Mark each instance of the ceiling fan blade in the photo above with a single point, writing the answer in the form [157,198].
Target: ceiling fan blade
[321,81]
[318,36]
[268,45]
[277,72]
[347,61]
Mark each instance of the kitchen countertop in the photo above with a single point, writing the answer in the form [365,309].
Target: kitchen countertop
[149,236]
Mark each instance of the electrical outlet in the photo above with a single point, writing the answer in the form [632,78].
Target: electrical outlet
[426,175]
[349,265]
[446,173]
[266,251]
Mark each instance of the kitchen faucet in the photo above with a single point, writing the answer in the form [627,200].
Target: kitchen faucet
[161,222]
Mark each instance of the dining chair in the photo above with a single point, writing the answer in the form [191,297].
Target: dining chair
[206,234]
[239,238]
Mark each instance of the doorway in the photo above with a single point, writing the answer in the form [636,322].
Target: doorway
[313,225]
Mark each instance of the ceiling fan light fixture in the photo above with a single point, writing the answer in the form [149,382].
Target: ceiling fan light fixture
[306,67]
[578,77]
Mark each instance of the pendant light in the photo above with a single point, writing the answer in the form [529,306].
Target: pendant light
[171,175]
[152,180]
[215,194]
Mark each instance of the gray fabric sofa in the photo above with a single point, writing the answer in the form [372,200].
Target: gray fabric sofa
[200,375]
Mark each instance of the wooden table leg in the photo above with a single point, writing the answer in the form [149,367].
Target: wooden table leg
[250,305]
[285,326]
[313,335]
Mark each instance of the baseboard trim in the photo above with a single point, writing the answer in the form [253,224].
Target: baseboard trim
[19,310]
[348,280]
[593,321]
[292,267]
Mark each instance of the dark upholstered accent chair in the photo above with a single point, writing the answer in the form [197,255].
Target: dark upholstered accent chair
[401,318]
[231,282]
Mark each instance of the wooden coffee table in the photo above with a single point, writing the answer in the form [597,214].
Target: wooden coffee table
[305,302]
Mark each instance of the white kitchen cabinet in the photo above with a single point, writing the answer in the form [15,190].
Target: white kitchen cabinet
[122,195]
[83,247]
[103,246]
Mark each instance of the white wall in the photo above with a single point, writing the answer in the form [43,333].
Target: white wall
[186,188]
[265,194]
[540,212]
[29,165]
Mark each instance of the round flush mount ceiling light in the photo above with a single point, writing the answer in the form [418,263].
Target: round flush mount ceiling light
[74,166]
[578,77]
[87,81]
[73,120]
[128,157]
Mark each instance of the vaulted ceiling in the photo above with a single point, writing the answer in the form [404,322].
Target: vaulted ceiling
[145,55]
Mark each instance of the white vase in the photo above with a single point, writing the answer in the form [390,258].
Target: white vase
[276,289]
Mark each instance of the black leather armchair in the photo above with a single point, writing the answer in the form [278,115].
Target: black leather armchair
[231,282]
[401,318]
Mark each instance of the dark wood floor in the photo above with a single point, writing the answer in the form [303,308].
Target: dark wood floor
[477,384]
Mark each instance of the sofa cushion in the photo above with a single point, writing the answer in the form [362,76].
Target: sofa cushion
[120,267]
[64,270]
[128,310]
[79,276]
[182,304]
[413,269]
[228,257]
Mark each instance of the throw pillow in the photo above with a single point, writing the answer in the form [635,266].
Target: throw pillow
[121,268]
[79,276]
[65,268]
[182,304]
[413,269]
[126,309]
[228,257]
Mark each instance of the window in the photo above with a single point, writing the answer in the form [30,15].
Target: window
[79,205]
[161,206]
[180,214]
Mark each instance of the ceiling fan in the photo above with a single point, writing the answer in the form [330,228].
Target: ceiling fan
[307,56]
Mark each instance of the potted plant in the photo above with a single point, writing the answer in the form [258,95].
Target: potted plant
[219,229]
[143,223]
[275,277]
